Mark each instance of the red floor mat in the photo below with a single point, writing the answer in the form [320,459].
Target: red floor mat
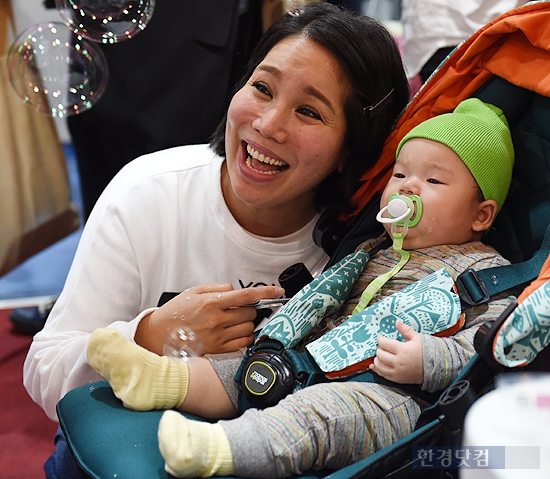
[26,433]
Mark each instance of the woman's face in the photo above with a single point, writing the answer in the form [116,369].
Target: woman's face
[285,129]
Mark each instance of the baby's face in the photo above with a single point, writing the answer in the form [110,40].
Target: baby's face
[449,193]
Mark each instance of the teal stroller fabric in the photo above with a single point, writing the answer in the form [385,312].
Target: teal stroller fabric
[110,441]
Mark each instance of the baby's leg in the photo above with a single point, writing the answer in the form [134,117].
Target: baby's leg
[144,381]
[323,426]
[193,448]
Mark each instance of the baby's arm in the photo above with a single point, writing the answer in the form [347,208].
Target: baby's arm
[444,358]
[432,361]
[399,361]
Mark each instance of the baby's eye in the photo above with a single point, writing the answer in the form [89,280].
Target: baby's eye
[434,181]
[262,88]
[309,112]
[398,175]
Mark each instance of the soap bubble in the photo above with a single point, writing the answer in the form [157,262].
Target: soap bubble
[56,71]
[106,21]
[182,343]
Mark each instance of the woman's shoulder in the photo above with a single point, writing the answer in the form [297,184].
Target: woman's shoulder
[172,160]
[159,178]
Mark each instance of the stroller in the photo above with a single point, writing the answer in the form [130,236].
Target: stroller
[506,64]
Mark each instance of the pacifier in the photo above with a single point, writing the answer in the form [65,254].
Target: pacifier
[403,211]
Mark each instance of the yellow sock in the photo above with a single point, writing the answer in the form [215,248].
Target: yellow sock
[139,378]
[193,448]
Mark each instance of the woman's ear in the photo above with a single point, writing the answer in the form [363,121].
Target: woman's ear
[486,214]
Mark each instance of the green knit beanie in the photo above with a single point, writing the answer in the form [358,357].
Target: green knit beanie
[479,134]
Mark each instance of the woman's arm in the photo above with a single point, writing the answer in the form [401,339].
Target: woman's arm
[215,313]
[103,289]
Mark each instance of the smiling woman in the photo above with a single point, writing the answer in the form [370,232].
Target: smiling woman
[305,122]
[285,135]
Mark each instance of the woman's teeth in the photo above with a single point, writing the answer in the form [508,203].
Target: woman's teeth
[265,160]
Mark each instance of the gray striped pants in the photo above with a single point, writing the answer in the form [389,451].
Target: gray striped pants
[327,425]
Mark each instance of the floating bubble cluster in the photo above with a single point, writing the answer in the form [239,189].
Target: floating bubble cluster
[182,344]
[106,21]
[55,71]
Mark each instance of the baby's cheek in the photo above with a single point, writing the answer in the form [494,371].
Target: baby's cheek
[429,224]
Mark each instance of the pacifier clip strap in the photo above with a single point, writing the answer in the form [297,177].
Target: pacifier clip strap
[377,283]
[401,213]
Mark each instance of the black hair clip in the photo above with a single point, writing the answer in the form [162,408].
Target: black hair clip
[374,110]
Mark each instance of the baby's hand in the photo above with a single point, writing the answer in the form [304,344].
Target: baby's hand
[397,361]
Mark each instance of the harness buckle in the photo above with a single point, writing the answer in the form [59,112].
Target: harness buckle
[268,376]
[471,288]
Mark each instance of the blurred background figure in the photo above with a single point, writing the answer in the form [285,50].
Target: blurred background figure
[433,28]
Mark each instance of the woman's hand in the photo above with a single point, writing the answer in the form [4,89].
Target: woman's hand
[216,313]
[400,362]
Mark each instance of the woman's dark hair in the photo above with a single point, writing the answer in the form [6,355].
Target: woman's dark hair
[370,59]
